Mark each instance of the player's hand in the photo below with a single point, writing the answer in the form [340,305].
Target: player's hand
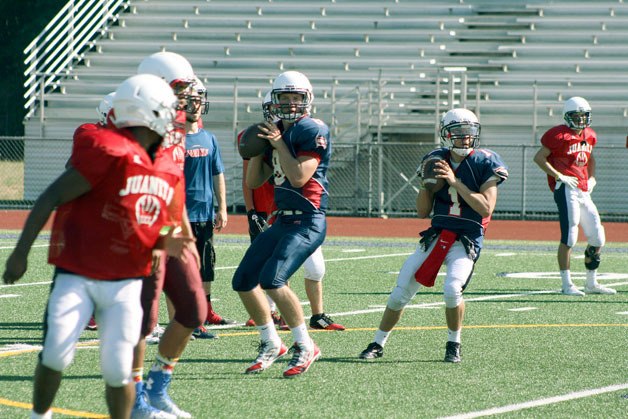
[174,243]
[444,171]
[570,181]
[221,220]
[15,267]
[257,223]
[592,182]
[271,133]
[156,260]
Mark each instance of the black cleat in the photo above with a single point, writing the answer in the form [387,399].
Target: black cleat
[374,350]
[452,352]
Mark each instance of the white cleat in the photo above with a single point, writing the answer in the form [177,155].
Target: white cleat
[598,289]
[573,291]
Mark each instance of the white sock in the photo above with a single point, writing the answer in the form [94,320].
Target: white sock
[453,335]
[301,336]
[271,303]
[566,278]
[381,337]
[592,278]
[268,332]
[47,415]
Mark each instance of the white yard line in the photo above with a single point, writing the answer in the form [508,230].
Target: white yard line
[540,402]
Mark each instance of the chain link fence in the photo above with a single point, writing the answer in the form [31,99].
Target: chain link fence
[366,179]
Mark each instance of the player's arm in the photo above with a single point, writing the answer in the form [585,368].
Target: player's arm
[247,193]
[424,203]
[220,191]
[257,172]
[540,158]
[70,185]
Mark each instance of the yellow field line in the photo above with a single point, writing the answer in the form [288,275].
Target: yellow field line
[77,413]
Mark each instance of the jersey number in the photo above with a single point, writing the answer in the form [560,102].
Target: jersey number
[454,208]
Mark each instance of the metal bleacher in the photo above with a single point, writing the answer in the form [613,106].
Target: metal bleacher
[380,64]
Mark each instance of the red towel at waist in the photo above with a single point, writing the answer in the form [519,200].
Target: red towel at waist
[426,274]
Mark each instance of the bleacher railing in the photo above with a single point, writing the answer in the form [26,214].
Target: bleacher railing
[64,42]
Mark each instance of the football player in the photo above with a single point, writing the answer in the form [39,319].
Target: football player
[566,156]
[297,161]
[462,210]
[104,214]
[179,278]
[260,205]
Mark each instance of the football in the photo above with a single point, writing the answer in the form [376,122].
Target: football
[428,173]
[250,144]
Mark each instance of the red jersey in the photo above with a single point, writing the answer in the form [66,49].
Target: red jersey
[264,196]
[174,145]
[570,153]
[109,232]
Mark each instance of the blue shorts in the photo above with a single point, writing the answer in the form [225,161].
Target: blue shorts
[277,253]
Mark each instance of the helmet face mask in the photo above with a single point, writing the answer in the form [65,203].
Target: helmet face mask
[291,83]
[196,99]
[147,101]
[267,108]
[577,113]
[458,126]
[104,107]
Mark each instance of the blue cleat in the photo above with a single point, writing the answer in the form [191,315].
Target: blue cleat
[143,410]
[157,385]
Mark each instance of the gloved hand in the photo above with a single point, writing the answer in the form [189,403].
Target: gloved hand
[592,182]
[570,181]
[257,223]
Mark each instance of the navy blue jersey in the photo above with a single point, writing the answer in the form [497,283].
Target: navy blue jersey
[202,163]
[451,212]
[306,137]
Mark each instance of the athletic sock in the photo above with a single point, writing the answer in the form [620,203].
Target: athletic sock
[164,363]
[453,335]
[381,337]
[565,276]
[47,415]
[137,374]
[592,278]
[301,336]
[268,332]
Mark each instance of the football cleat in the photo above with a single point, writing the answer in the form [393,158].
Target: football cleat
[452,352]
[374,350]
[599,289]
[92,324]
[157,384]
[202,333]
[302,359]
[276,317]
[250,323]
[573,291]
[214,319]
[324,322]
[143,410]
[268,353]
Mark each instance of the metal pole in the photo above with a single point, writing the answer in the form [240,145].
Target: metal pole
[524,182]
[234,128]
[534,105]
[356,169]
[380,151]
[437,122]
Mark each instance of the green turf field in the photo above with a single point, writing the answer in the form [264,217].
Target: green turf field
[527,350]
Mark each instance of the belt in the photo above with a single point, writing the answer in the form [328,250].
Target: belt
[288,212]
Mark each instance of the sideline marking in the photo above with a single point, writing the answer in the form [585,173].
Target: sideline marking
[540,402]
[76,413]
[523,309]
[505,254]
[9,295]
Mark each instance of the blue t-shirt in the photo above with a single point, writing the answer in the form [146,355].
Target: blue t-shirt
[451,212]
[307,137]
[202,163]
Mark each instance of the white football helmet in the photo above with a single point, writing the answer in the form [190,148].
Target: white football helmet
[175,69]
[577,113]
[457,124]
[267,105]
[104,107]
[198,99]
[144,100]
[292,82]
